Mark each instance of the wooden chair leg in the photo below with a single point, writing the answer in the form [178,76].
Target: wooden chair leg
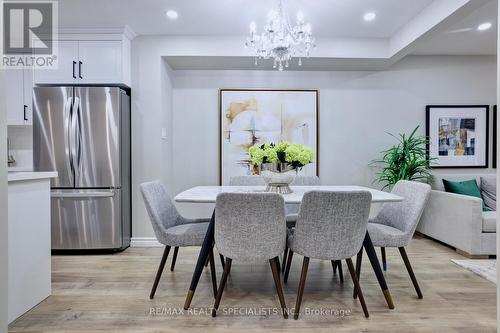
[341,273]
[227,268]
[359,259]
[160,270]
[357,286]
[221,260]
[384,260]
[212,271]
[288,264]
[174,258]
[285,254]
[277,283]
[334,266]
[302,284]
[410,271]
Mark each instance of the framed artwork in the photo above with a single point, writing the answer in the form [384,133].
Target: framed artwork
[458,135]
[256,116]
[495,139]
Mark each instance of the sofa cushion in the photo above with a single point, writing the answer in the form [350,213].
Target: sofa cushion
[466,187]
[488,188]
[437,181]
[490,221]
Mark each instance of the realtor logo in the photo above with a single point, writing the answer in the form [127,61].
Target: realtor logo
[29,35]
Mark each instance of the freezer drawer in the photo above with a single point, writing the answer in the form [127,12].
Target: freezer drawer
[86,219]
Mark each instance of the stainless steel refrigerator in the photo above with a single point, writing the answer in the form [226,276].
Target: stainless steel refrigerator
[83,133]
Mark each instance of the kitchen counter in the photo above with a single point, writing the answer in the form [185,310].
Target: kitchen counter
[29,242]
[30,175]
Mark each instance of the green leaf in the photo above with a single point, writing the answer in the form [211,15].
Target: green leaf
[406,160]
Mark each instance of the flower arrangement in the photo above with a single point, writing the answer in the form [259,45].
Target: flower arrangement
[294,154]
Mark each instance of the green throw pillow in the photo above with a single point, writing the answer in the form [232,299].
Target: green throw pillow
[467,187]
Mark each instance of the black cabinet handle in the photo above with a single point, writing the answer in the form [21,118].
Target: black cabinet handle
[25,113]
[74,64]
[80,69]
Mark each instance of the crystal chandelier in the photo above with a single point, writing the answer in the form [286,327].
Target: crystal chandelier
[280,40]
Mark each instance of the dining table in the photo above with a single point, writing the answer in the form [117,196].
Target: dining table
[208,194]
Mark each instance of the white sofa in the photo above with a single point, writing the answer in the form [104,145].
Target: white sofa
[459,220]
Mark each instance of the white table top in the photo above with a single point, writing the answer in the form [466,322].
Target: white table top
[208,194]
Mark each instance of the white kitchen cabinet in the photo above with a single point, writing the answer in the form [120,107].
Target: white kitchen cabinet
[18,89]
[29,242]
[100,61]
[67,70]
[28,96]
[89,62]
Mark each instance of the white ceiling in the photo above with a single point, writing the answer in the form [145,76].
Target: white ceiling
[329,18]
[210,33]
[462,38]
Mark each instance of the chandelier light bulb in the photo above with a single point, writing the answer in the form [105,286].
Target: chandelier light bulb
[253,27]
[300,17]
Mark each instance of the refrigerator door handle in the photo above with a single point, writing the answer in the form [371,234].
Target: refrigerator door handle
[74,135]
[78,132]
[68,112]
[84,194]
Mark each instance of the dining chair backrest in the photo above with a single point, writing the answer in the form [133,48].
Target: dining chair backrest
[258,180]
[306,181]
[405,215]
[250,226]
[332,224]
[246,181]
[160,207]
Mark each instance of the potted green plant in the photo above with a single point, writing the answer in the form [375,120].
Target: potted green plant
[406,160]
[278,163]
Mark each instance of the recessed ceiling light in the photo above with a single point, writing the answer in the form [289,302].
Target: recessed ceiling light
[484,26]
[172,14]
[370,16]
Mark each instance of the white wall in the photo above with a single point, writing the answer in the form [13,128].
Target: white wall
[356,109]
[151,111]
[3,208]
[498,170]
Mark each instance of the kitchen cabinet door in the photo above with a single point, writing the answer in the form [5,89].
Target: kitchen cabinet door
[28,95]
[67,71]
[100,62]
[14,91]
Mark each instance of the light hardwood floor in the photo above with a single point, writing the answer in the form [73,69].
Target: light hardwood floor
[106,293]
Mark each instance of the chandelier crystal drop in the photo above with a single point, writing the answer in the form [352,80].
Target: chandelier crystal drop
[280,40]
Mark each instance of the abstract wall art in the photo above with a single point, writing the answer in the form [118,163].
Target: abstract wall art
[458,135]
[254,116]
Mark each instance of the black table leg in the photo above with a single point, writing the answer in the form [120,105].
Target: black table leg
[206,247]
[372,255]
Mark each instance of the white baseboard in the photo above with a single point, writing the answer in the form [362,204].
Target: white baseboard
[145,242]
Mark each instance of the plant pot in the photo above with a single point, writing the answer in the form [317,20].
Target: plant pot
[278,177]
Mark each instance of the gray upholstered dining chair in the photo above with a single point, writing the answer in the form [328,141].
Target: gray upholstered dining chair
[292,213]
[331,226]
[254,180]
[396,222]
[291,210]
[171,229]
[250,227]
